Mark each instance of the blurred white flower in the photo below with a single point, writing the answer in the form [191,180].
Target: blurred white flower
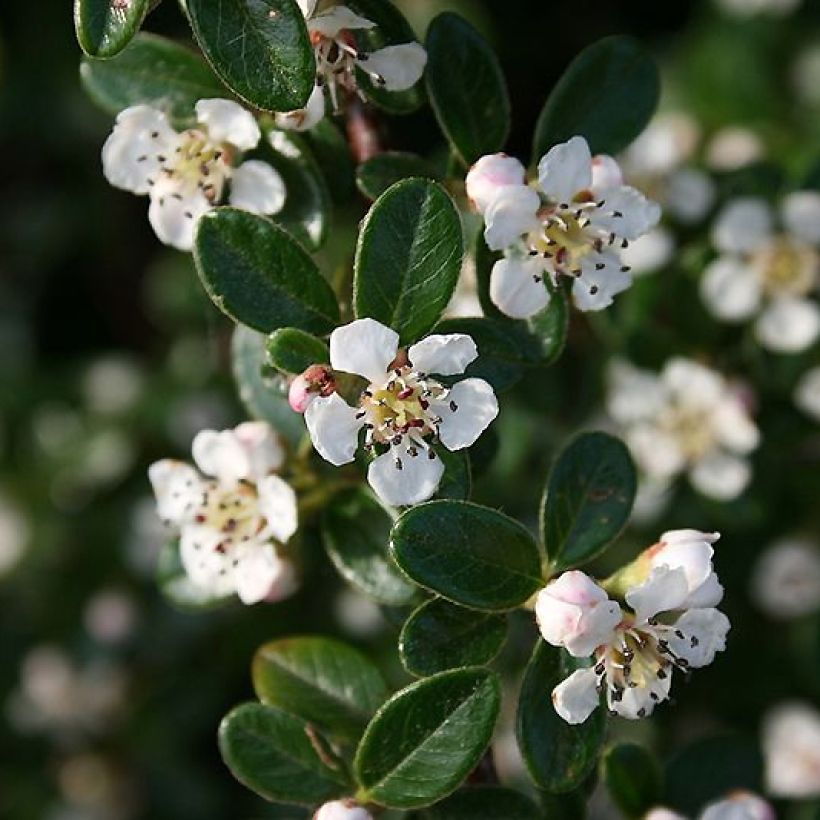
[690,193]
[807,393]
[748,8]
[110,616]
[806,74]
[650,252]
[342,810]
[15,533]
[112,385]
[733,147]
[786,579]
[740,805]
[185,174]
[687,419]
[791,749]
[94,789]
[358,615]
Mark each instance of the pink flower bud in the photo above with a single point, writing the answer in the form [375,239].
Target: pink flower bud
[342,810]
[606,173]
[316,381]
[489,175]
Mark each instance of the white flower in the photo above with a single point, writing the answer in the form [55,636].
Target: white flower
[342,810]
[733,147]
[740,805]
[807,393]
[688,419]
[185,174]
[636,649]
[786,579]
[791,749]
[402,409]
[767,274]
[574,222]
[338,58]
[233,519]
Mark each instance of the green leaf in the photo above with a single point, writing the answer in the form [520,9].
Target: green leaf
[467,88]
[633,778]
[471,555]
[483,803]
[607,94]
[332,155]
[151,71]
[293,351]
[307,205]
[259,48]
[408,258]
[279,756]
[377,174]
[356,531]
[558,755]
[321,680]
[457,481]
[548,329]
[263,398]
[427,738]
[588,499]
[440,635]
[258,275]
[177,587]
[104,28]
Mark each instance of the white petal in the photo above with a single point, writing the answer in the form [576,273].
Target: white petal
[801,215]
[336,19]
[257,569]
[733,427]
[228,121]
[690,194]
[334,428]
[277,502]
[174,220]
[657,452]
[342,810]
[510,214]
[257,187]
[743,225]
[207,568]
[415,482]
[739,806]
[446,355]
[692,383]
[650,252]
[791,746]
[176,487]
[639,702]
[721,476]
[626,212]
[576,697]
[303,119]
[661,813]
[606,173]
[308,7]
[399,67]
[364,347]
[663,591]
[517,287]
[708,594]
[633,394]
[730,288]
[263,447]
[708,627]
[221,454]
[595,627]
[689,550]
[566,170]
[130,156]
[597,287]
[476,407]
[807,393]
[489,175]
[788,325]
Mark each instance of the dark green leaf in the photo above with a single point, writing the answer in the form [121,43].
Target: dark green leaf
[427,738]
[440,635]
[151,71]
[293,351]
[376,175]
[559,756]
[484,261]
[588,499]
[607,94]
[466,87]
[258,275]
[483,803]
[105,28]
[408,258]
[471,555]
[321,680]
[457,482]
[332,155]
[356,532]
[548,329]
[279,756]
[177,587]
[633,778]
[260,49]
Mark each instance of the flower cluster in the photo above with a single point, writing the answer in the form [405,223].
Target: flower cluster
[670,622]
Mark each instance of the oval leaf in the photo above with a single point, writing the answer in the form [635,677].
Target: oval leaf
[558,755]
[440,635]
[633,778]
[408,258]
[483,803]
[469,554]
[377,174]
[321,680]
[293,351]
[279,756]
[607,94]
[258,275]
[467,88]
[260,49]
[104,28]
[427,738]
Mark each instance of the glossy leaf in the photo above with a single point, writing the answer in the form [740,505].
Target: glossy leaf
[279,756]
[259,48]
[588,499]
[548,329]
[607,94]
[558,755]
[471,555]
[356,532]
[377,174]
[466,87]
[257,274]
[321,680]
[633,778]
[483,803]
[104,28]
[408,258]
[427,738]
[293,351]
[440,635]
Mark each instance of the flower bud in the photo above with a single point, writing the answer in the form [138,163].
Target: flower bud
[574,612]
[489,175]
[317,380]
[342,810]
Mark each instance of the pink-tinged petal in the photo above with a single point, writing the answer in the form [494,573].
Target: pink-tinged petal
[333,428]
[263,447]
[606,173]
[277,503]
[489,175]
[576,697]
[178,489]
[469,408]
[364,347]
[416,480]
[229,122]
[221,454]
[566,170]
[444,355]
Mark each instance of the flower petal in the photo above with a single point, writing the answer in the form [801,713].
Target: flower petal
[489,175]
[690,194]
[364,347]
[704,632]
[174,219]
[626,212]
[732,426]
[257,187]
[566,170]
[721,476]
[606,173]
[744,225]
[602,278]
[262,446]
[396,68]
[657,452]
[177,486]
[415,482]
[277,503]
[303,119]
[639,702]
[739,806]
[663,591]
[730,288]
[576,697]
[807,393]
[206,567]
[257,569]
[511,214]
[308,6]
[220,454]
[650,252]
[228,121]
[475,408]
[595,627]
[333,428]
[336,19]
[517,287]
[446,355]
[788,325]
[801,215]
